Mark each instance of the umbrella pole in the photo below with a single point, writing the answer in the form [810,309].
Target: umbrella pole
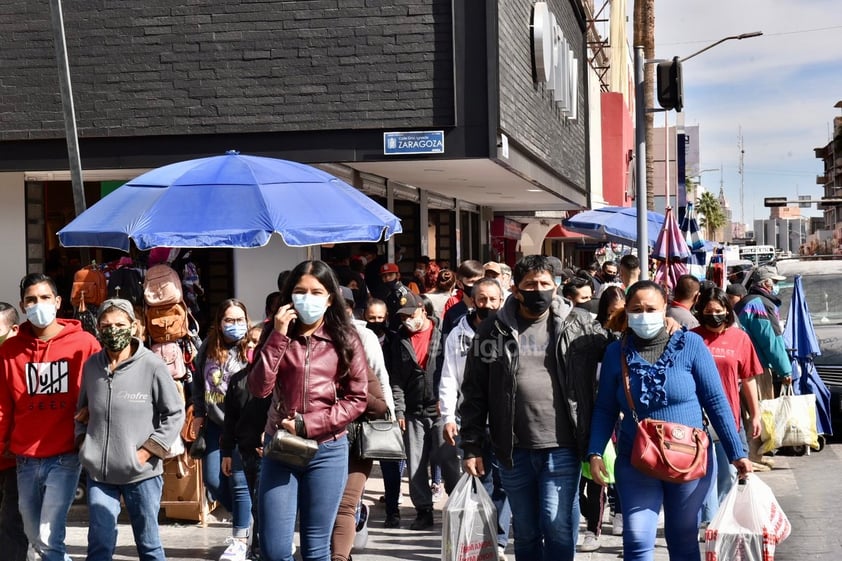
[69,116]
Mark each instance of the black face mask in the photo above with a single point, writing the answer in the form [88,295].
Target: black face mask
[611,278]
[483,313]
[714,320]
[391,285]
[468,289]
[537,301]
[379,327]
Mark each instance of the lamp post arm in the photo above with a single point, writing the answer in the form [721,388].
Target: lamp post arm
[729,38]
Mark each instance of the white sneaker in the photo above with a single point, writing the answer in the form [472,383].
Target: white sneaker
[361,537]
[501,553]
[237,550]
[590,543]
[617,523]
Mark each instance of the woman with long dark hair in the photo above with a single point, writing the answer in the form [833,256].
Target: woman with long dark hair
[223,354]
[313,364]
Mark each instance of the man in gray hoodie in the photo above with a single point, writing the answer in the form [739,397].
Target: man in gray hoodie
[129,415]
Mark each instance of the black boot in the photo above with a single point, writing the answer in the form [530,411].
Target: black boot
[423,520]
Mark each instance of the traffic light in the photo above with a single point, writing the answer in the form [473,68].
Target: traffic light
[774,201]
[670,88]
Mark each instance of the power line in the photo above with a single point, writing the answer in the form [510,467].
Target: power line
[797,32]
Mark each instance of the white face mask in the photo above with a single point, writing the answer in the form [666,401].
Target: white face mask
[646,324]
[414,324]
[310,307]
[41,314]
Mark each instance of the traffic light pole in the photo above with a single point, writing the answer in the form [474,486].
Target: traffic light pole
[640,163]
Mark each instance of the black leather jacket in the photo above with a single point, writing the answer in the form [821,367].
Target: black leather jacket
[490,384]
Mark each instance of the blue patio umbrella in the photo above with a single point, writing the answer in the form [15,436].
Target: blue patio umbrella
[231,200]
[614,223]
[800,338]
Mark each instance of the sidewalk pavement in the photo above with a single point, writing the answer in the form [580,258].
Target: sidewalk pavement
[187,541]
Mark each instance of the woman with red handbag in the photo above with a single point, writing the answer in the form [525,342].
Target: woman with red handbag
[665,381]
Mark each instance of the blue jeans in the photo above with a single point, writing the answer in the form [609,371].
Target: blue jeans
[642,496]
[232,492]
[46,487]
[12,537]
[543,491]
[493,483]
[143,500]
[314,491]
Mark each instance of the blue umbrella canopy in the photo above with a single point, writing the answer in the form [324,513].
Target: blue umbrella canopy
[800,338]
[231,200]
[614,223]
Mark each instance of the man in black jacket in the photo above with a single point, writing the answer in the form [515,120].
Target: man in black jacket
[414,363]
[532,374]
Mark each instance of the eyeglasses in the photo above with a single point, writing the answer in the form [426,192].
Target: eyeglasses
[234,321]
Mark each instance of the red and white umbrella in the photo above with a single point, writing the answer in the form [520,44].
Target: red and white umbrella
[672,251]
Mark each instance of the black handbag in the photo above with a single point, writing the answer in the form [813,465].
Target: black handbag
[380,439]
[290,449]
[199,446]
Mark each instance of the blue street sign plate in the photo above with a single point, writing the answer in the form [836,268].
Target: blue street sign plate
[418,142]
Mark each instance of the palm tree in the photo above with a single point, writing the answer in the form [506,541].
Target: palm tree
[644,35]
[712,217]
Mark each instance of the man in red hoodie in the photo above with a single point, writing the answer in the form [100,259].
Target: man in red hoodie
[40,374]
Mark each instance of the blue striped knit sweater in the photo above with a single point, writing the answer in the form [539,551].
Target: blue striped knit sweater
[672,389]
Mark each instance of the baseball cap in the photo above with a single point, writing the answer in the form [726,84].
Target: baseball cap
[347,294]
[389,268]
[736,289]
[410,303]
[493,266]
[766,272]
[120,304]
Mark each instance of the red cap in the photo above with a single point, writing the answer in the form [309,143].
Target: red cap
[389,268]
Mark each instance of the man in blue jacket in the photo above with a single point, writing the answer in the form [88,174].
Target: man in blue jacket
[758,315]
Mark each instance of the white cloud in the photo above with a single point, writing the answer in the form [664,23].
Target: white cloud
[780,88]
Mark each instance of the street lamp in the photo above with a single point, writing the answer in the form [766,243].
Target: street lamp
[640,133]
[729,38]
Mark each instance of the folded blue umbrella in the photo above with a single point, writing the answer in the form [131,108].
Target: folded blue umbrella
[800,338]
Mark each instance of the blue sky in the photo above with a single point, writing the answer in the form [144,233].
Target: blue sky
[779,89]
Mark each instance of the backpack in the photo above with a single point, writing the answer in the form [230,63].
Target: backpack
[166,323]
[126,283]
[89,286]
[173,356]
[162,286]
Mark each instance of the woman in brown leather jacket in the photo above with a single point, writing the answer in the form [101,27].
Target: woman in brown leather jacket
[313,365]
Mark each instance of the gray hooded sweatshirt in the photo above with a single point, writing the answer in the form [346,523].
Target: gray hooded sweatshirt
[136,406]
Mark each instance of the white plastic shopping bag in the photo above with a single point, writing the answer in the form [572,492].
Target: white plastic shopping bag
[788,420]
[748,526]
[469,531]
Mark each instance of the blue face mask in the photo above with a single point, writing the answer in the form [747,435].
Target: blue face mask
[310,307]
[775,289]
[646,324]
[41,314]
[234,332]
